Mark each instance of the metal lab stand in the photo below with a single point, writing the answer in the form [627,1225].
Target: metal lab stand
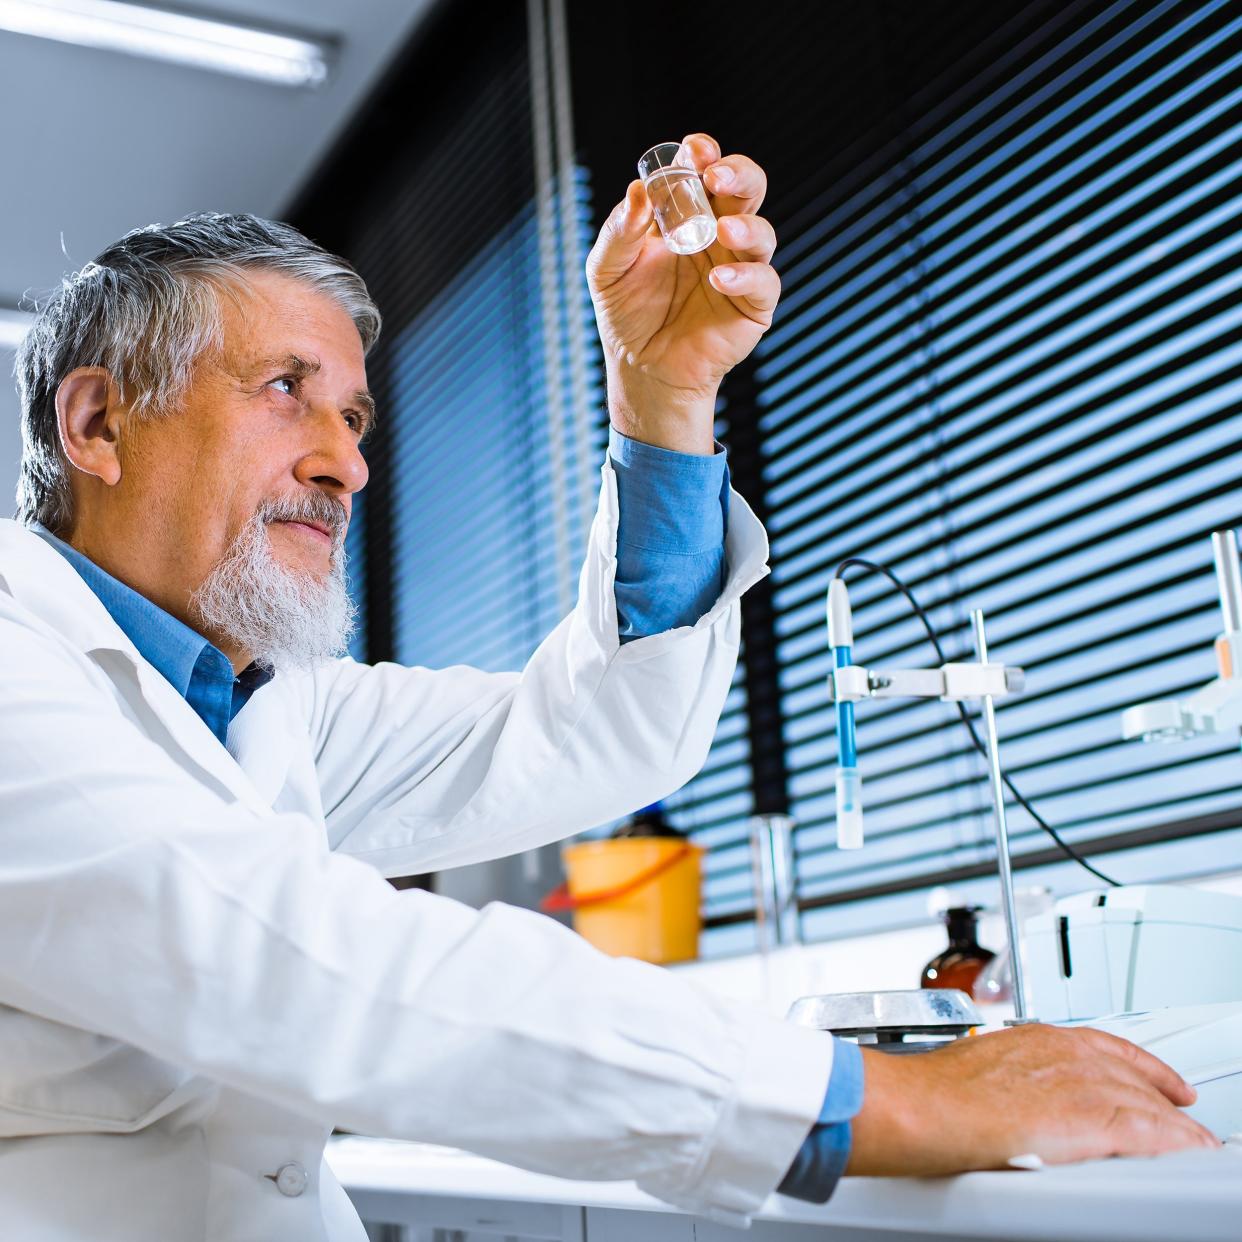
[958,683]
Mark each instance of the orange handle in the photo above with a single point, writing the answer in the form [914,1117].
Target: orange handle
[560,899]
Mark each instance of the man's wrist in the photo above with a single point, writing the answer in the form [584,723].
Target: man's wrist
[652,414]
[884,1131]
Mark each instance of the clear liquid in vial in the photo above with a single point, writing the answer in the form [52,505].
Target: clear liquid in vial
[681,209]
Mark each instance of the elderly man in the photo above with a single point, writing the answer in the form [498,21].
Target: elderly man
[203,969]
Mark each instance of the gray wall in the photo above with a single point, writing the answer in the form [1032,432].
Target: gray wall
[520,880]
[10,436]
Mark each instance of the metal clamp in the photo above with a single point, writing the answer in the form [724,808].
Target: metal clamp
[952,683]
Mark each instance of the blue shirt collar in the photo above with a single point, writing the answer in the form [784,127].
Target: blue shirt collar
[200,672]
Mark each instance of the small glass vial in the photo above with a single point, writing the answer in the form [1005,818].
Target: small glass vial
[678,198]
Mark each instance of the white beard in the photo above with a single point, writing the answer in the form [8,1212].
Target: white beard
[283,618]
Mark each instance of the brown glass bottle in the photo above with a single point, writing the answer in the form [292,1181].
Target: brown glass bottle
[961,963]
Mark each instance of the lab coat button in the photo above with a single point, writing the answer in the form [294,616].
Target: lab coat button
[291,1179]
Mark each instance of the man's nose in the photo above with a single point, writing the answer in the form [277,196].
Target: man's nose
[333,462]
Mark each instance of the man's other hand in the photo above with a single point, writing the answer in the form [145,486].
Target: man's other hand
[673,325]
[1060,1094]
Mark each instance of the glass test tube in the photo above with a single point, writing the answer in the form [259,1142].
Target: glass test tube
[776,897]
[678,198]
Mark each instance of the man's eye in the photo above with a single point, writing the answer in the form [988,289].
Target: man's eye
[285,379]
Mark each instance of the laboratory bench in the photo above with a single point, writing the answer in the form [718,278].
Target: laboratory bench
[409,1192]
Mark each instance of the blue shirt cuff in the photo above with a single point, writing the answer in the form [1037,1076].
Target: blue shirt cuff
[670,536]
[822,1158]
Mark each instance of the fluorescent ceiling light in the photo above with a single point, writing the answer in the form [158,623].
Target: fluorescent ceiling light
[14,325]
[203,42]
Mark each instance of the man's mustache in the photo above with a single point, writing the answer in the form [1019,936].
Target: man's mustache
[313,507]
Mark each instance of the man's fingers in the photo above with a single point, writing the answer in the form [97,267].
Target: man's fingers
[703,149]
[751,238]
[620,241]
[1136,1130]
[737,183]
[749,284]
[1161,1076]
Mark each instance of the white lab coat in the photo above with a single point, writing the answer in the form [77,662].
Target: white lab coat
[202,969]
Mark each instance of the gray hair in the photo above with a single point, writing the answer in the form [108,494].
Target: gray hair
[146,310]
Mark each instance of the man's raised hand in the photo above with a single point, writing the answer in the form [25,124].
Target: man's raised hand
[673,325]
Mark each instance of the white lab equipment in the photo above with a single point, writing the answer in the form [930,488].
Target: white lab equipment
[1217,706]
[1134,948]
[678,198]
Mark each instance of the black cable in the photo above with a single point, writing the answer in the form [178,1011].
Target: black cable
[1066,848]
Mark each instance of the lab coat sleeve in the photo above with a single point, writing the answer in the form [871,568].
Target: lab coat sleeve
[422,770]
[141,904]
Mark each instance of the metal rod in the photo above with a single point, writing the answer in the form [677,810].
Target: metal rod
[1002,831]
[573,267]
[1228,577]
[542,141]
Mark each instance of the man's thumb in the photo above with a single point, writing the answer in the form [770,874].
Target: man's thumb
[621,239]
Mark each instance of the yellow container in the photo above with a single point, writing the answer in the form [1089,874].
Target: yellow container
[636,896]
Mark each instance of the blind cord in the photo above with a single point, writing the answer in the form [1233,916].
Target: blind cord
[1065,847]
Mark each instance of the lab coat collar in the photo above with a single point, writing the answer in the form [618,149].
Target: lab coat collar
[42,581]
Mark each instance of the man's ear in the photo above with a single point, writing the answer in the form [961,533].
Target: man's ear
[89,416]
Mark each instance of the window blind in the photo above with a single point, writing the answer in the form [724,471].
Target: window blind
[1006,365]
[488,541]
[491,403]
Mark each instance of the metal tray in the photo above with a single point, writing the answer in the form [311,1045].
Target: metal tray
[889,1017]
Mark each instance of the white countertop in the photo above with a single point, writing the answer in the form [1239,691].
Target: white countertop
[1191,1196]
[1185,1197]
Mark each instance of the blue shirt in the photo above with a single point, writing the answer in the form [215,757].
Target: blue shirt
[673,514]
